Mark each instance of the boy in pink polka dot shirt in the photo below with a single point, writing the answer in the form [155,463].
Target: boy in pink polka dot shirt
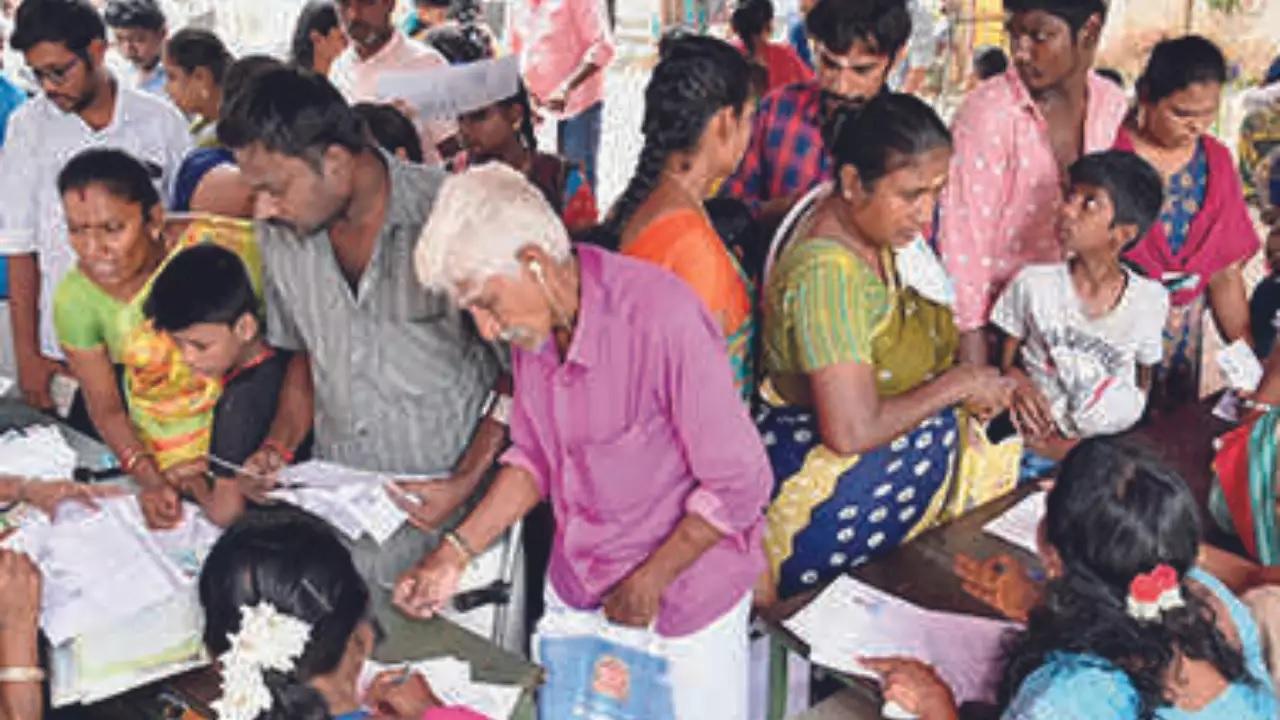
[1014,137]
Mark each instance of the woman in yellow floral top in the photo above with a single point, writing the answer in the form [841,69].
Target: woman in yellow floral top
[160,425]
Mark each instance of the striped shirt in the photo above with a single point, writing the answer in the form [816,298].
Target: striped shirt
[400,375]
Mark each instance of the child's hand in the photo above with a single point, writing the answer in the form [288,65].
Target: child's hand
[1029,410]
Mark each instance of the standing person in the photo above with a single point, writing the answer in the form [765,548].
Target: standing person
[752,22]
[318,38]
[798,35]
[855,45]
[427,14]
[145,402]
[1081,337]
[697,121]
[195,63]
[139,27]
[11,98]
[377,47]
[657,488]
[1016,135]
[1204,235]
[391,377]
[64,42]
[564,49]
[1260,134]
[504,132]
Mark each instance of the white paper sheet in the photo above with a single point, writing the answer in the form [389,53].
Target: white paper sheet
[353,501]
[450,680]
[119,602]
[851,620]
[451,91]
[39,451]
[1020,523]
[1240,366]
[99,567]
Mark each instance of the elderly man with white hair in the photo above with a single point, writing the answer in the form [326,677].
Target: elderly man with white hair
[625,417]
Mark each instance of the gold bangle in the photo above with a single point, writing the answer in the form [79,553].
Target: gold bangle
[459,544]
[21,675]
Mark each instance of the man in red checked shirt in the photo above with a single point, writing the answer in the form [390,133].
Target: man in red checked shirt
[855,44]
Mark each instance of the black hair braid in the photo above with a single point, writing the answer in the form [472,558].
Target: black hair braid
[696,78]
[527,132]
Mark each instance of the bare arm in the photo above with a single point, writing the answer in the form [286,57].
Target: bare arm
[34,370]
[294,415]
[97,377]
[973,347]
[19,610]
[1229,303]
[853,418]
[297,403]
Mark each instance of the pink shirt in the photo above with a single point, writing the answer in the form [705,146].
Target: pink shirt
[639,426]
[553,38]
[358,80]
[1000,206]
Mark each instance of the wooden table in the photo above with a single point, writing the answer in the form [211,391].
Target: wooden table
[405,639]
[919,572]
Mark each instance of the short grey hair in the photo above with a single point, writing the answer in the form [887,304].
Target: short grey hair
[481,219]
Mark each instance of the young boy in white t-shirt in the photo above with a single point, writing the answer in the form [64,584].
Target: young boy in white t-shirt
[1081,335]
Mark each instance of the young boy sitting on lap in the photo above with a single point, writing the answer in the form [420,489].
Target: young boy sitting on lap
[1081,335]
[204,299]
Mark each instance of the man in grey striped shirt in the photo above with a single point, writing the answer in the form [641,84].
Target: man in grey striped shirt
[391,377]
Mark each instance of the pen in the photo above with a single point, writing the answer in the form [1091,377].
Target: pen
[241,470]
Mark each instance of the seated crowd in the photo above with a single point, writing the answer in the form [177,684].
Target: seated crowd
[279,263]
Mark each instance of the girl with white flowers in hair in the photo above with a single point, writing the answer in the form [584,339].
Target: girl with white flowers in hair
[287,616]
[1126,626]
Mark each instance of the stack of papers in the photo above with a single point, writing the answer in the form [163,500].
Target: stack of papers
[353,501]
[450,680]
[852,620]
[119,602]
[1020,524]
[39,452]
[451,91]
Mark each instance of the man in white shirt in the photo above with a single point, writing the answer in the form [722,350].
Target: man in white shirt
[140,30]
[376,48]
[64,44]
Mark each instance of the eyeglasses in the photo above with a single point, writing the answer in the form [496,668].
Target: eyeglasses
[56,75]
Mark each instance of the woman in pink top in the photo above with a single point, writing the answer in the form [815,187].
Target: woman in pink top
[776,64]
[1203,237]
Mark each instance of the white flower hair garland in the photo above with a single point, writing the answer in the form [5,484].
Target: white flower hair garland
[268,640]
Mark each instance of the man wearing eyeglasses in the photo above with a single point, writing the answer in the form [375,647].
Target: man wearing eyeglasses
[855,44]
[82,105]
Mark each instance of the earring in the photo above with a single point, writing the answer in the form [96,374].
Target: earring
[536,268]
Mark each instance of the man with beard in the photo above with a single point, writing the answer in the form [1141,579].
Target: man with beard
[855,44]
[1015,135]
[377,47]
[139,29]
[64,43]
[393,378]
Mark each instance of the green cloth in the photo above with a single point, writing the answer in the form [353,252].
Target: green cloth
[826,306]
[822,306]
